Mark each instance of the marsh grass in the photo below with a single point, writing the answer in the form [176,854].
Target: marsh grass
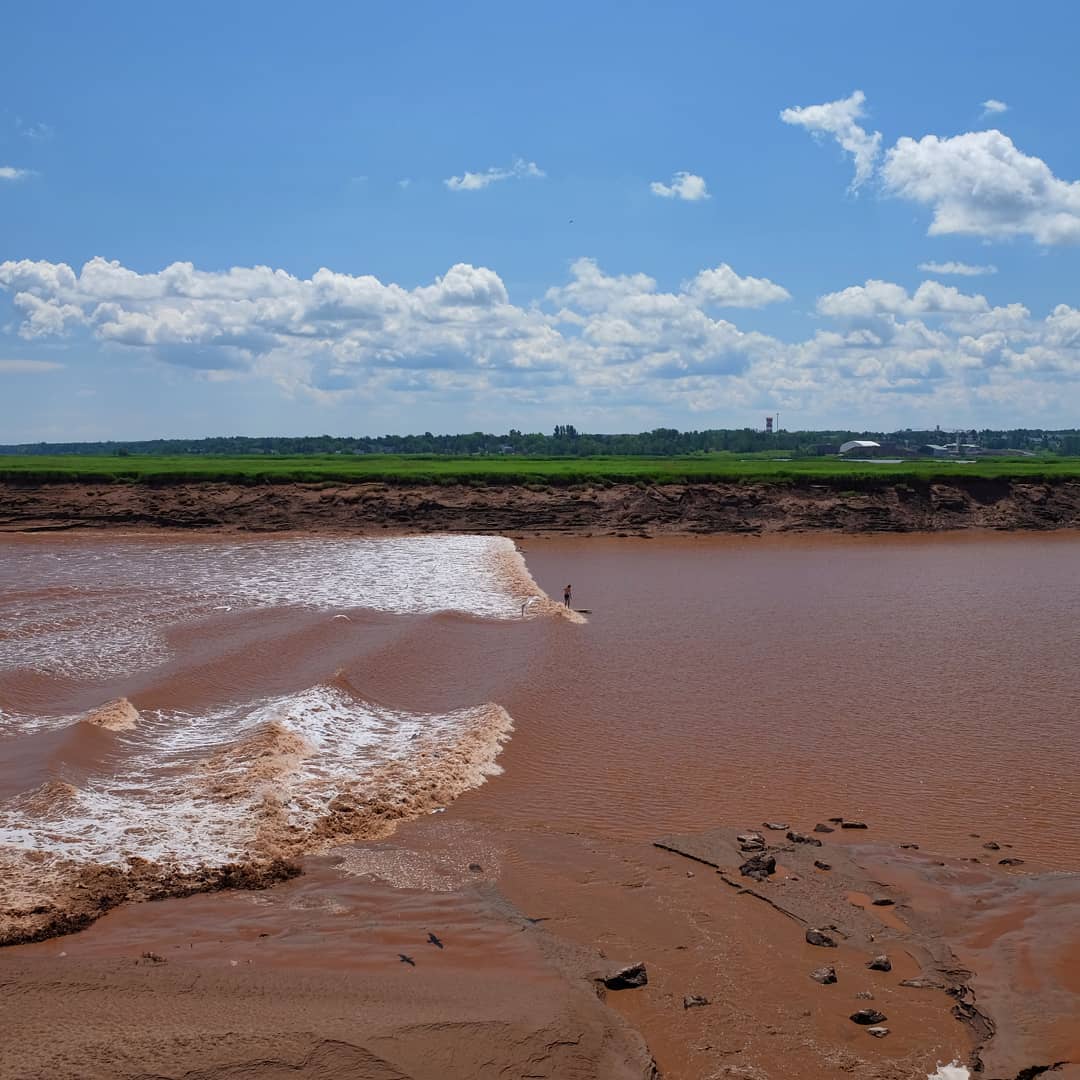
[425,469]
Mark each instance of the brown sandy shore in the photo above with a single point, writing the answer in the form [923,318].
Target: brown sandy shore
[619,509]
[309,979]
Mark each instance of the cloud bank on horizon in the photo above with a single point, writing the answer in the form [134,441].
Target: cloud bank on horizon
[596,336]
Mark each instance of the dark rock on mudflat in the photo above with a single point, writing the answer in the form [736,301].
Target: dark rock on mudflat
[822,865]
[694,1001]
[824,975]
[1010,862]
[799,838]
[819,827]
[909,847]
[878,1032]
[854,825]
[751,841]
[759,867]
[880,963]
[476,868]
[776,826]
[991,846]
[835,820]
[868,1016]
[882,901]
[865,995]
[627,978]
[819,937]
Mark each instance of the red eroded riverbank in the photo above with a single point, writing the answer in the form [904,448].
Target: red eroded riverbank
[617,508]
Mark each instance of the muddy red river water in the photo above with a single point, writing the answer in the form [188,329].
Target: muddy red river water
[282,697]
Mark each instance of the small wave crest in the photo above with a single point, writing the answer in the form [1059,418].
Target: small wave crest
[119,715]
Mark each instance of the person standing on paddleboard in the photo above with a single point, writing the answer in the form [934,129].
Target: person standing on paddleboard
[566,595]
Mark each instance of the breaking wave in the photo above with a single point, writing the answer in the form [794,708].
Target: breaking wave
[98,609]
[241,786]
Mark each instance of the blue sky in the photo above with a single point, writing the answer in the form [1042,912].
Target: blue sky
[486,216]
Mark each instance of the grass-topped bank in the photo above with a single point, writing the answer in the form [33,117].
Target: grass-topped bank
[560,471]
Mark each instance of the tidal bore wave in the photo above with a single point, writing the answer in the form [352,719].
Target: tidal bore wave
[99,609]
[240,790]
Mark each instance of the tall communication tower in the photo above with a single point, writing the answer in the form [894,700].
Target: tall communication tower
[768,425]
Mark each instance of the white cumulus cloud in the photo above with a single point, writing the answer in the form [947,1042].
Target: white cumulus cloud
[840,119]
[883,297]
[684,185]
[991,107]
[960,269]
[980,184]
[476,181]
[9,172]
[725,288]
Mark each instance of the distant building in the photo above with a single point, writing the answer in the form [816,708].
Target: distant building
[861,445]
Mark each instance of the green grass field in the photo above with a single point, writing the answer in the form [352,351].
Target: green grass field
[429,469]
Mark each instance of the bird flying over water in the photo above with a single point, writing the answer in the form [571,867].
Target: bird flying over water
[432,939]
[406,959]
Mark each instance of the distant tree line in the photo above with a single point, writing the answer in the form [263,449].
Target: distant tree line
[566,441]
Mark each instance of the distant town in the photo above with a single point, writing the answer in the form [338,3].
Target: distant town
[566,441]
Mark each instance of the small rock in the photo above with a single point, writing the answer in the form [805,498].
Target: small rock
[823,828]
[910,847]
[759,867]
[794,877]
[878,1032]
[868,1016]
[822,865]
[689,873]
[991,846]
[1010,861]
[819,937]
[880,963]
[854,825]
[836,820]
[476,868]
[153,957]
[693,1001]
[751,841]
[882,901]
[922,984]
[776,826]
[824,975]
[627,978]
[974,835]
[865,995]
[798,838]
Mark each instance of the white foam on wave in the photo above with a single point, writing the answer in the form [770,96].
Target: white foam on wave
[248,781]
[98,608]
[955,1071]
